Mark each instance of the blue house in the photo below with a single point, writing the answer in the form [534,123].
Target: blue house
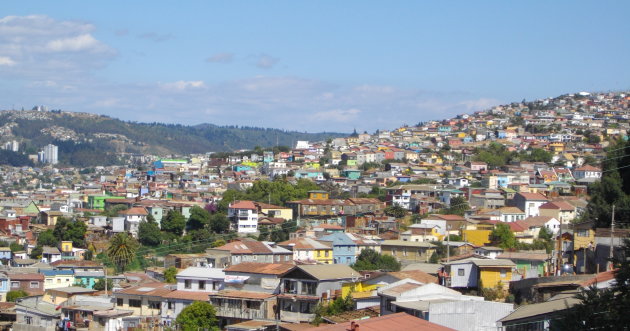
[351,173]
[344,249]
[88,278]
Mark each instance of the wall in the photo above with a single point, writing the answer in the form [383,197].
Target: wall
[490,277]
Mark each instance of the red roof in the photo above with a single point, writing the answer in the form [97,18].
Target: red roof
[134,211]
[398,322]
[243,205]
[588,167]
[557,205]
[533,196]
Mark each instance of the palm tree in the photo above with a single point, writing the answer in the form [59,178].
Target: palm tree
[122,250]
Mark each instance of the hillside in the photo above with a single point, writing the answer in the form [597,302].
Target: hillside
[83,138]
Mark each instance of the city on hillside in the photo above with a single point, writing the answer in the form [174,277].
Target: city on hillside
[493,220]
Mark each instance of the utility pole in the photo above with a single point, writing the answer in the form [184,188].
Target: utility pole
[612,231]
[448,244]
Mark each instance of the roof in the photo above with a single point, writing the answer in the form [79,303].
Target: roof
[416,275]
[398,322]
[201,272]
[542,308]
[149,289]
[536,221]
[305,243]
[493,263]
[72,290]
[532,196]
[57,272]
[562,205]
[251,246]
[188,295]
[242,205]
[400,289]
[524,256]
[134,211]
[243,294]
[406,243]
[600,277]
[20,276]
[260,268]
[329,271]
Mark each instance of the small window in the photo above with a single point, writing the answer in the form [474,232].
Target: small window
[15,284]
[202,284]
[461,272]
[186,283]
[119,302]
[155,304]
[34,284]
[503,273]
[135,303]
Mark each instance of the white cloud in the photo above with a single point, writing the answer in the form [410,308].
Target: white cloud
[84,42]
[184,85]
[266,61]
[221,58]
[337,115]
[6,61]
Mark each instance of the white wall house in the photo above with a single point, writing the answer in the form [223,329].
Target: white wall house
[244,216]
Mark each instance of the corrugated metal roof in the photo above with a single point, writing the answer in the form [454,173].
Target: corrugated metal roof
[201,272]
[398,322]
[540,309]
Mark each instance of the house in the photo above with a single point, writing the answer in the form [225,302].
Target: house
[93,313]
[421,232]
[560,210]
[4,285]
[5,255]
[587,174]
[529,202]
[535,223]
[528,264]
[308,250]
[57,278]
[274,211]
[408,251]
[508,214]
[133,216]
[50,254]
[479,273]
[61,294]
[247,250]
[344,248]
[538,315]
[305,286]
[488,251]
[145,301]
[32,313]
[193,284]
[244,216]
[31,283]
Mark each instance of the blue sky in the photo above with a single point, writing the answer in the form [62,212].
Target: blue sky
[306,65]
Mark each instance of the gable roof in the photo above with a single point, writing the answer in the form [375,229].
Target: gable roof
[242,205]
[329,271]
[398,322]
[533,196]
[561,205]
[260,268]
[416,275]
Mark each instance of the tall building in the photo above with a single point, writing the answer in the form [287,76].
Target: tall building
[49,154]
[12,145]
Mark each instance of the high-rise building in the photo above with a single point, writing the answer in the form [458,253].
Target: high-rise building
[49,154]
[12,145]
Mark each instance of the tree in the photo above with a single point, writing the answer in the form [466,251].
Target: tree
[122,250]
[199,315]
[370,259]
[459,206]
[174,223]
[395,211]
[149,233]
[47,238]
[70,230]
[36,253]
[15,294]
[603,309]
[198,219]
[219,223]
[169,275]
[99,285]
[503,236]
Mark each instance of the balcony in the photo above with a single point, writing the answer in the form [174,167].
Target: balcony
[244,313]
[295,317]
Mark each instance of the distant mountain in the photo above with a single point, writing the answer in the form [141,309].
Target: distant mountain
[88,139]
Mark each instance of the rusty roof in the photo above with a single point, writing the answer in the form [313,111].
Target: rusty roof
[260,268]
[242,294]
[416,275]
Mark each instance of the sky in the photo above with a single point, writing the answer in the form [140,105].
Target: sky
[306,65]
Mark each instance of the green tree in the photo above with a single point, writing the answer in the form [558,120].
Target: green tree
[169,275]
[15,294]
[502,236]
[395,211]
[149,233]
[47,238]
[174,223]
[36,253]
[70,230]
[122,250]
[199,315]
[99,285]
[219,223]
[602,309]
[370,259]
[198,219]
[459,206]
[15,247]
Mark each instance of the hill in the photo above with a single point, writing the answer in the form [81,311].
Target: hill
[88,139]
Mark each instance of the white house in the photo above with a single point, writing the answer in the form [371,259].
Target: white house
[133,216]
[587,172]
[530,202]
[244,216]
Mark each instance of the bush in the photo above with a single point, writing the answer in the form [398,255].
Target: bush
[16,294]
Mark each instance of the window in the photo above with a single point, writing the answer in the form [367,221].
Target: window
[252,304]
[58,281]
[461,272]
[326,253]
[234,304]
[309,288]
[135,303]
[34,284]
[287,305]
[216,285]
[170,305]
[290,286]
[307,307]
[15,284]
[49,280]
[202,284]
[119,302]
[503,273]
[155,304]
[186,283]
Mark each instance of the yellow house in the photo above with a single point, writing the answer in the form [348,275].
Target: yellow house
[584,235]
[478,237]
[58,278]
[493,272]
[59,295]
[556,147]
[274,211]
[309,250]
[318,195]
[366,288]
